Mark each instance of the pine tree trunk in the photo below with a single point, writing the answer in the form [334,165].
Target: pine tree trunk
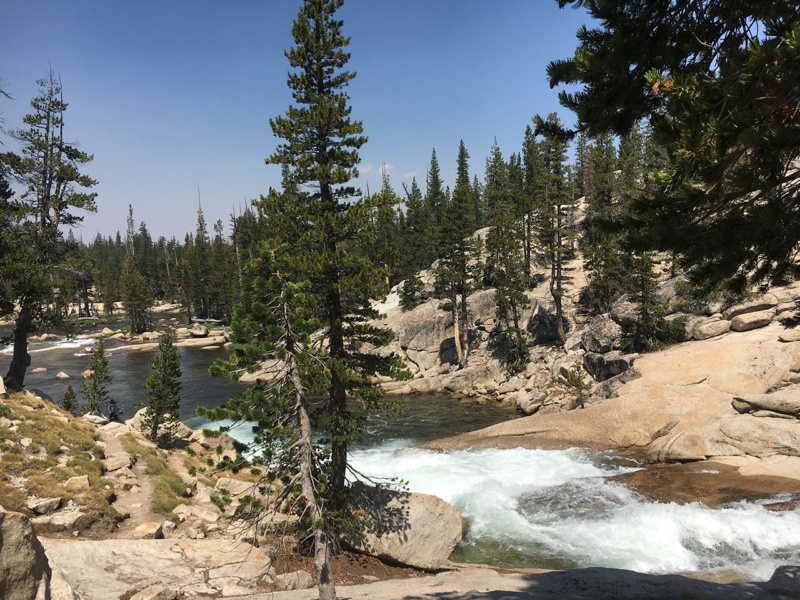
[20,360]
[154,428]
[527,248]
[456,329]
[338,392]
[322,550]
[556,292]
[464,332]
[520,341]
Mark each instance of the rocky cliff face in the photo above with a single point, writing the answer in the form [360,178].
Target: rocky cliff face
[424,337]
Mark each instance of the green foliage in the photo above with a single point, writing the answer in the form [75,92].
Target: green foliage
[505,265]
[5,411]
[32,246]
[458,272]
[642,286]
[717,82]
[577,385]
[412,293]
[556,228]
[305,297]
[94,387]
[69,402]
[136,296]
[163,391]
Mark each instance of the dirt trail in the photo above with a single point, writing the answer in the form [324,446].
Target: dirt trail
[138,500]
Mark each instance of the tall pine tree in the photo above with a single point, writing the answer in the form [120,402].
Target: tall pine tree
[556,228]
[163,391]
[305,280]
[457,251]
[48,169]
[504,249]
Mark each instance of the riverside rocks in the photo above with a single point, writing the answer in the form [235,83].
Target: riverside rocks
[738,435]
[687,384]
[198,331]
[418,530]
[786,401]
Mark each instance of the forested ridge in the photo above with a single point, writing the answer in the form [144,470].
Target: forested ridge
[414,228]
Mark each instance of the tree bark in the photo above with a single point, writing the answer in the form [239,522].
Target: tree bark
[457,329]
[20,360]
[338,392]
[556,274]
[322,549]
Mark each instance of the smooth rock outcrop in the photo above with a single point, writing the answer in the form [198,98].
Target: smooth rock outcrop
[418,530]
[688,384]
[711,328]
[785,401]
[751,320]
[765,302]
[24,571]
[736,435]
[103,570]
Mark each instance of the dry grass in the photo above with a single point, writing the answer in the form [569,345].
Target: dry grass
[168,488]
[12,498]
[39,467]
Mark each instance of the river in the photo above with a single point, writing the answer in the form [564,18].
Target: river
[526,508]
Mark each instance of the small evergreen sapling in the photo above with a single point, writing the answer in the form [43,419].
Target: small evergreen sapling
[69,402]
[412,293]
[163,391]
[577,384]
[93,387]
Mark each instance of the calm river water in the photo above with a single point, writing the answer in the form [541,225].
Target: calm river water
[531,508]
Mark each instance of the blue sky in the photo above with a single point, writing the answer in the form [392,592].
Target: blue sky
[169,96]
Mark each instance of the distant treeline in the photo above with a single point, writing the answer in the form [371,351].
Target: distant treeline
[526,201]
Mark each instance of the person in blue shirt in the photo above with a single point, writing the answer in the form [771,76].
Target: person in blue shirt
[114,414]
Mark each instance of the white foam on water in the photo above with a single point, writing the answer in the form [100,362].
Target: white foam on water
[558,504]
[79,341]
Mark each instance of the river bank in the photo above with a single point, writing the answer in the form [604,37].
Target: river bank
[516,482]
